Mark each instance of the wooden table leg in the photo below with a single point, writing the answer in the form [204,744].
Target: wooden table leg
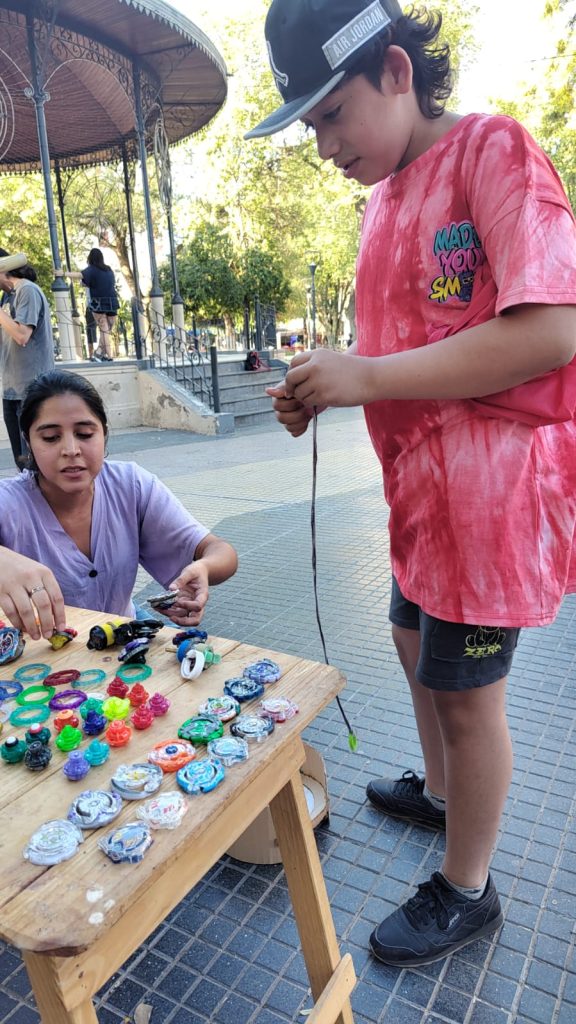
[308,892]
[45,981]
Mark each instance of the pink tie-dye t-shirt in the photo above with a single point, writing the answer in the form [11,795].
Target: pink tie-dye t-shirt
[482,504]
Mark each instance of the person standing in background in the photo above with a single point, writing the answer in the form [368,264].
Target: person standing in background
[27,348]
[103,302]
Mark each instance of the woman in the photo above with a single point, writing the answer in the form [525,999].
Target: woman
[98,277]
[74,528]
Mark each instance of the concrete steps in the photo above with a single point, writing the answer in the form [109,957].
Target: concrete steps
[241,391]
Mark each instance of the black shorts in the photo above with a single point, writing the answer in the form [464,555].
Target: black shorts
[454,655]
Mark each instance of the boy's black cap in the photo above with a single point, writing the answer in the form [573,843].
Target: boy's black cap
[311,45]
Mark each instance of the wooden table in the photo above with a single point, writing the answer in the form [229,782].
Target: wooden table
[77,922]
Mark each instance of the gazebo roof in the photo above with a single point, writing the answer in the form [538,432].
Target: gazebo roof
[89,49]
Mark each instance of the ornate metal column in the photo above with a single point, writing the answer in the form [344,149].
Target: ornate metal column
[164,178]
[156,314]
[61,207]
[139,325]
[40,96]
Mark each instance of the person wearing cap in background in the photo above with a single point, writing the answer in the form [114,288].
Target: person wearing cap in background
[27,341]
[464,362]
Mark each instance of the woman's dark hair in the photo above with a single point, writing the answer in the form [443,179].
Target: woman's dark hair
[59,382]
[417,34]
[27,272]
[96,259]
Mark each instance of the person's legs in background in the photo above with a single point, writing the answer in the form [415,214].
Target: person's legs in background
[112,336]
[11,411]
[91,334]
[104,331]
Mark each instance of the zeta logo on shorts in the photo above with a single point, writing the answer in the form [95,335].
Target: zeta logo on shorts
[485,642]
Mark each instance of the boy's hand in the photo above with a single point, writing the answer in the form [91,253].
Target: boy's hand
[320,378]
[289,411]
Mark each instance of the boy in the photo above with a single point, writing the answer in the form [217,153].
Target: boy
[466,328]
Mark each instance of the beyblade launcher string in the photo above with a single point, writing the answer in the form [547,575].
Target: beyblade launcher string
[352,738]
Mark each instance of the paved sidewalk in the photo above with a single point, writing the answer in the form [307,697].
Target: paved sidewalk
[229,953]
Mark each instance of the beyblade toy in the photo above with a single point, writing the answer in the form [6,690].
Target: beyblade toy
[94,808]
[135,781]
[279,708]
[229,749]
[53,842]
[263,671]
[172,755]
[242,688]
[225,708]
[163,811]
[127,844]
[201,729]
[200,776]
[12,644]
[253,728]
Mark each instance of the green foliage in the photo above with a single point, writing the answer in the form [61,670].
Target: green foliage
[261,274]
[549,110]
[214,278]
[208,283]
[24,224]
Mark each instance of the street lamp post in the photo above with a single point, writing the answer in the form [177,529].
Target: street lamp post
[312,269]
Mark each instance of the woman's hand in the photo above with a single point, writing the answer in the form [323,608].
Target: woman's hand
[193,584]
[30,596]
[215,561]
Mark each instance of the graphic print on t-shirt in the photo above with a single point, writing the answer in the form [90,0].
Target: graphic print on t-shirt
[459,252]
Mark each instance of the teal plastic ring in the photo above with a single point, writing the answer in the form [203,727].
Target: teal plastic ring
[133,673]
[90,677]
[32,673]
[30,715]
[46,691]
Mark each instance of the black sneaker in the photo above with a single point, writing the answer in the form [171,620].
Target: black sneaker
[404,798]
[434,923]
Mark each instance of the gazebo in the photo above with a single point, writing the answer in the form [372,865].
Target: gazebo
[106,81]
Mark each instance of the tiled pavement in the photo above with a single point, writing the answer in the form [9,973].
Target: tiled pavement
[229,953]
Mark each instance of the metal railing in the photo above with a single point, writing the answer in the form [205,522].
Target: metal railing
[171,349]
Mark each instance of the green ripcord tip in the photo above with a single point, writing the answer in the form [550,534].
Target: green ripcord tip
[352,742]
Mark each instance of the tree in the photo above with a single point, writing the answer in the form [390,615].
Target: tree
[24,224]
[96,209]
[548,109]
[262,275]
[208,281]
[215,279]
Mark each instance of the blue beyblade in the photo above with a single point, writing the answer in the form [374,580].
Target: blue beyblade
[242,688]
[229,750]
[264,671]
[12,644]
[200,776]
[127,844]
